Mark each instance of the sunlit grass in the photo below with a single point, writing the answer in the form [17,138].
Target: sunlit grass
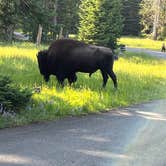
[140,78]
[142,43]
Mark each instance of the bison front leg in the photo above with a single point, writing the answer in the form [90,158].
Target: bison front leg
[61,80]
[46,78]
[72,78]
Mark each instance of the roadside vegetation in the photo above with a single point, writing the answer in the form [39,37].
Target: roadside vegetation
[138,42]
[141,78]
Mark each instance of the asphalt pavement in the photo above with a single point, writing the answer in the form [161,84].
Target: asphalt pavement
[133,136]
[157,54]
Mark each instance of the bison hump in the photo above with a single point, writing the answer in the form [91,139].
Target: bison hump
[66,44]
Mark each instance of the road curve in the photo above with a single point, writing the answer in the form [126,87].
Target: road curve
[157,54]
[133,136]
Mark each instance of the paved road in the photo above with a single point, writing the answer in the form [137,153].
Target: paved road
[133,136]
[158,54]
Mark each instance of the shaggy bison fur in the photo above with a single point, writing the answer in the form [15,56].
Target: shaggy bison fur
[65,57]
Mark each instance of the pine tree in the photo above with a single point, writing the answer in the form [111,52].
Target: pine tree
[100,22]
[37,12]
[27,15]
[67,15]
[8,19]
[132,17]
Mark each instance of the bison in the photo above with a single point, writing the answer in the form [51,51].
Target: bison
[65,57]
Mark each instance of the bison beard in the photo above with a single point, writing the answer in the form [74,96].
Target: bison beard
[66,57]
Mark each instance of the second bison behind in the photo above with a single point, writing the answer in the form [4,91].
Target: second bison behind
[66,57]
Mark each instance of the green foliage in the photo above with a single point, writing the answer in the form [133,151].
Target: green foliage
[26,15]
[67,15]
[87,13]
[12,98]
[132,17]
[148,10]
[163,32]
[100,22]
[37,12]
[147,16]
[8,19]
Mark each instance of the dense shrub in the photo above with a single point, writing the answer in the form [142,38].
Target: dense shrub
[12,98]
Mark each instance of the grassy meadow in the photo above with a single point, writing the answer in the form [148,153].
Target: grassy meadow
[142,43]
[140,78]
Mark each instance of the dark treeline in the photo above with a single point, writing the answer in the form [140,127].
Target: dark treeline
[26,15]
[132,18]
[95,21]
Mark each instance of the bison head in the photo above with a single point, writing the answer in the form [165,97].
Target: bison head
[42,63]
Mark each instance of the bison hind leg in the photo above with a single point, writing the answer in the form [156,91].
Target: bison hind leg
[113,77]
[105,78]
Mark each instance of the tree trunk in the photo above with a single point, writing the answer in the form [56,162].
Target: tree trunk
[67,35]
[61,34]
[39,35]
[9,33]
[55,16]
[54,19]
[156,19]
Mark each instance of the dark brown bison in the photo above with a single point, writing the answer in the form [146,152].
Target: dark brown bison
[66,57]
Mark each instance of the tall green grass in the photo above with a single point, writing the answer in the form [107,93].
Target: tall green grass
[140,78]
[141,43]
